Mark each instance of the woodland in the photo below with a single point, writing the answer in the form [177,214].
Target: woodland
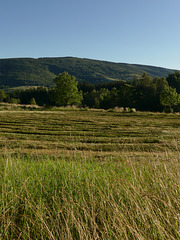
[144,93]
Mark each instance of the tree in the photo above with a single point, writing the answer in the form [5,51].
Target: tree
[126,96]
[169,98]
[91,99]
[66,91]
[32,101]
[160,83]
[174,80]
[145,92]
[104,98]
[143,81]
[2,95]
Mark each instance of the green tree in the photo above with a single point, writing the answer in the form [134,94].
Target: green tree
[14,100]
[92,99]
[32,101]
[160,83]
[104,97]
[2,95]
[66,91]
[174,80]
[145,93]
[126,96]
[169,98]
[143,81]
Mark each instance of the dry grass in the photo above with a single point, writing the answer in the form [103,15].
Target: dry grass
[89,175]
[88,132]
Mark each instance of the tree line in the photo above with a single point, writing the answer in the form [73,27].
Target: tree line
[143,93]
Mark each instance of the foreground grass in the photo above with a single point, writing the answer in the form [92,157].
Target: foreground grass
[89,175]
[49,198]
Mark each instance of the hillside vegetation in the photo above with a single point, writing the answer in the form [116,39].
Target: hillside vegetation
[143,94]
[41,72]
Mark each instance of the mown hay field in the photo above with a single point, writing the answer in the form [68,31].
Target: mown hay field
[89,133]
[76,174]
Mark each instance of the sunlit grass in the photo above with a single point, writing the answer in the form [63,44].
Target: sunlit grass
[89,175]
[92,132]
[53,198]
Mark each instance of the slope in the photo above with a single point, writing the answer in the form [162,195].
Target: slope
[42,71]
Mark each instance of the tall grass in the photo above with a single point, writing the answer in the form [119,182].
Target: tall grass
[50,197]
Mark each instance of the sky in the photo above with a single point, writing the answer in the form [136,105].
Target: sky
[129,31]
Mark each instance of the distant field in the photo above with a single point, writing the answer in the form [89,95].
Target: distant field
[76,174]
[90,133]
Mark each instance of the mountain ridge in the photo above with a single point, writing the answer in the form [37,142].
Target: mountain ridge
[42,71]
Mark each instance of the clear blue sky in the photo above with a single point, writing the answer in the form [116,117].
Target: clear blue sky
[131,31]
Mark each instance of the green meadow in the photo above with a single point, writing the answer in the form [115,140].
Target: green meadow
[89,174]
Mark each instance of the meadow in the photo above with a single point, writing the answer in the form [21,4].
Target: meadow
[89,174]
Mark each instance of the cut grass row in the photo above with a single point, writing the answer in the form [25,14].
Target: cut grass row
[91,132]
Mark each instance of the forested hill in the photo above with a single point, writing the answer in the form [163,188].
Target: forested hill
[41,72]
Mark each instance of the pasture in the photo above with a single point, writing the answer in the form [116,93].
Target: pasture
[76,174]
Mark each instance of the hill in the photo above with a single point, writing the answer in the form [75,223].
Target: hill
[42,71]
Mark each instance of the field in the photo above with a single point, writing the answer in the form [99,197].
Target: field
[76,174]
